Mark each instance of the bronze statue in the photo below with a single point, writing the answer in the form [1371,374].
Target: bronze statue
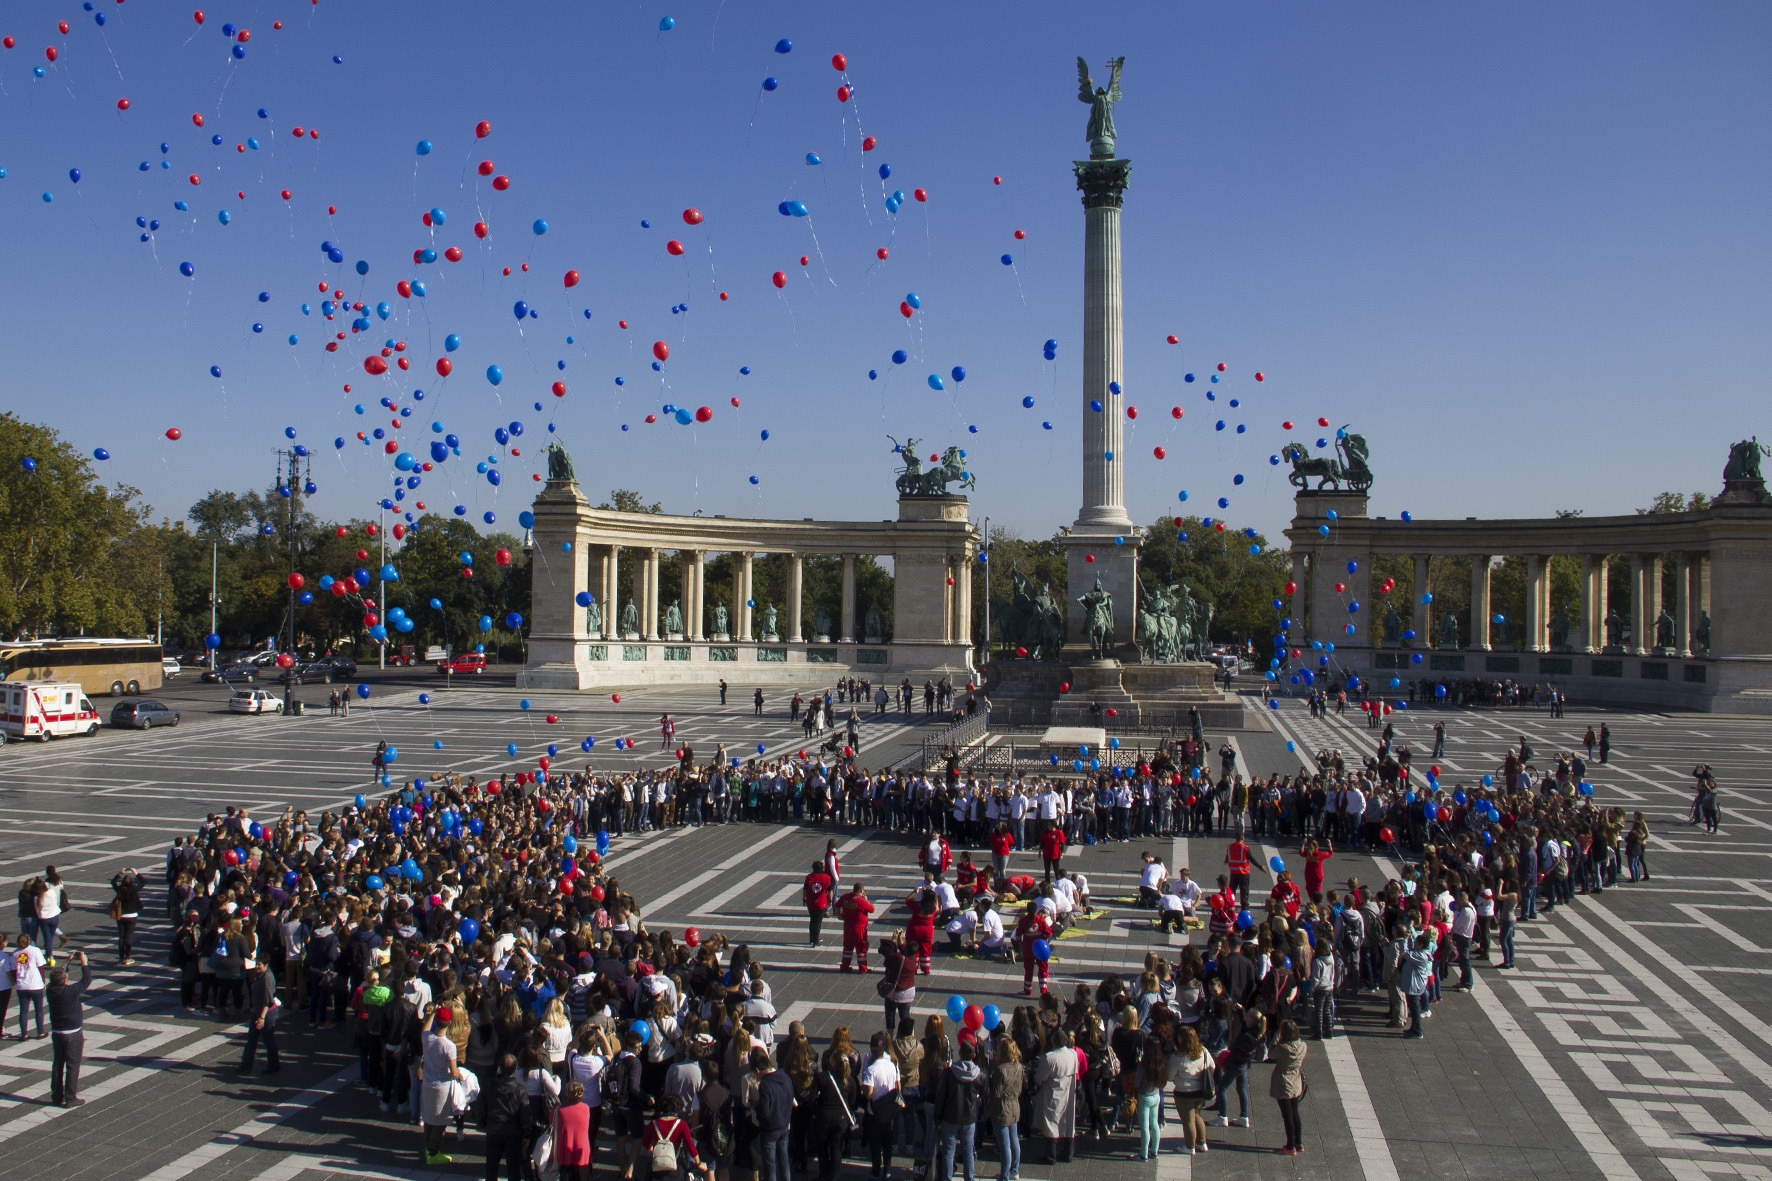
[770,625]
[821,626]
[673,620]
[559,463]
[1701,637]
[1614,629]
[1101,133]
[1449,631]
[594,619]
[1393,627]
[1664,630]
[1744,460]
[1098,609]
[1351,469]
[630,619]
[720,621]
[873,626]
[1560,623]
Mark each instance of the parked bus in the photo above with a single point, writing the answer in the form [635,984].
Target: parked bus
[118,667]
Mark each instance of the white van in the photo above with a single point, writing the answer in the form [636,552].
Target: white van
[45,710]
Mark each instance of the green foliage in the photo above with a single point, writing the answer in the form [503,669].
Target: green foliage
[74,554]
[1674,502]
[1218,566]
[627,501]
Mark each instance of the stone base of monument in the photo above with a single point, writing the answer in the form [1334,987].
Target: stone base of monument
[1025,692]
[1095,683]
[1162,690]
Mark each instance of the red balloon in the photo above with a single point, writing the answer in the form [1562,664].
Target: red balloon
[920,194]
[485,168]
[868,144]
[565,883]
[231,857]
[444,366]
[780,279]
[1020,234]
[1340,587]
[880,254]
[122,104]
[552,718]
[722,297]
[996,180]
[904,309]
[403,287]
[502,557]
[735,403]
[1259,376]
[1176,412]
[622,324]
[1160,453]
[1322,422]
[597,896]
[63,28]
[661,350]
[692,216]
[1221,366]
[480,231]
[9,42]
[691,936]
[174,433]
[400,530]
[482,129]
[1112,713]
[374,365]
[704,414]
[1386,835]
[674,246]
[1132,412]
[296,581]
[338,589]
[615,697]
[501,183]
[1291,588]
[571,278]
[285,660]
[559,389]
[974,1018]
[1021,653]
[453,254]
[839,62]
[196,16]
[1287,425]
[843,92]
[1089,557]
[1064,686]
[197,119]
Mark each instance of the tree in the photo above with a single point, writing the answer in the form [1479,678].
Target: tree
[1236,570]
[627,501]
[1674,502]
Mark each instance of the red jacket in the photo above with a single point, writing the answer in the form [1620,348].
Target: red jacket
[1287,894]
[817,891]
[1237,857]
[946,860]
[1032,927]
[855,911]
[1002,843]
[1052,844]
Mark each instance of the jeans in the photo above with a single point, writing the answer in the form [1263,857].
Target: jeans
[269,1034]
[1529,904]
[1238,1076]
[1008,1152]
[28,999]
[956,1136]
[1507,942]
[1462,945]
[772,1155]
[896,1012]
[46,932]
[64,1069]
[1289,1117]
[1639,866]
[1414,1001]
[1148,1108]
[125,939]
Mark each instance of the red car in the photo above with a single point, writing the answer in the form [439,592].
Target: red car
[467,662]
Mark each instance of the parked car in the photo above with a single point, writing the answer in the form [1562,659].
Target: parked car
[170,667]
[232,672]
[343,667]
[142,715]
[314,672]
[255,701]
[467,662]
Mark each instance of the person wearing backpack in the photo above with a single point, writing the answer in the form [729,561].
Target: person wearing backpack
[666,1146]
[958,1090]
[623,1101]
[773,1111]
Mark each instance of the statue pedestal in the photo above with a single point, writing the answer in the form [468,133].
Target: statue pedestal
[1095,683]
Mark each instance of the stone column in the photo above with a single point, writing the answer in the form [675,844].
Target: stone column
[1479,638]
[1683,605]
[947,600]
[1639,600]
[697,590]
[1583,641]
[796,566]
[963,600]
[1534,639]
[1103,184]
[686,590]
[1423,616]
[612,595]
[1699,592]
[743,578]
[1653,567]
[846,629]
[652,632]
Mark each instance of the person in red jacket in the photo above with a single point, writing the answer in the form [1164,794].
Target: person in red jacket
[1286,895]
[1237,858]
[855,909]
[1002,844]
[1029,929]
[816,894]
[919,932]
[936,856]
[1314,856]
[1052,850]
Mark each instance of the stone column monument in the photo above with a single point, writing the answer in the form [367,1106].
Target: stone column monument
[1102,546]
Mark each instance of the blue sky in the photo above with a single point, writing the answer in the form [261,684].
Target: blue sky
[1522,248]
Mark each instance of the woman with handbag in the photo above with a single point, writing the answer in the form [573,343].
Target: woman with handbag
[1190,1070]
[834,1102]
[1287,1085]
[882,1091]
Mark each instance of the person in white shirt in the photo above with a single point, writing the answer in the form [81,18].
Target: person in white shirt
[1151,881]
[1170,916]
[987,933]
[946,900]
[960,929]
[879,1078]
[28,984]
[1464,926]
[1064,893]
[1184,887]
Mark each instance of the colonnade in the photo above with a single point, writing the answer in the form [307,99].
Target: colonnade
[742,613]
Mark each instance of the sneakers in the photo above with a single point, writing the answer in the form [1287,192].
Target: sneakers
[1287,1151]
[1242,1121]
[440,1158]
[1204,1146]
[1218,1122]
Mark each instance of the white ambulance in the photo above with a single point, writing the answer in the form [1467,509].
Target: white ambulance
[45,710]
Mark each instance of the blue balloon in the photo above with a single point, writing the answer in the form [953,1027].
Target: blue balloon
[899,356]
[914,299]
[1042,951]
[494,374]
[100,453]
[935,382]
[424,147]
[770,84]
[959,374]
[666,23]
[885,171]
[1008,260]
[520,310]
[538,227]
[363,691]
[1028,401]
[374,882]
[784,46]
[186,269]
[1276,863]
[956,1007]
